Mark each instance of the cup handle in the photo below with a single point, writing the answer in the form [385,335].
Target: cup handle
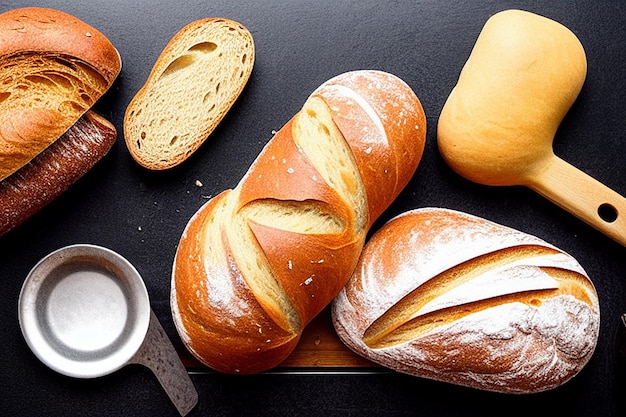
[158,354]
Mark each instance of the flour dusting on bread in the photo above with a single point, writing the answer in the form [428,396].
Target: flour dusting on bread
[449,296]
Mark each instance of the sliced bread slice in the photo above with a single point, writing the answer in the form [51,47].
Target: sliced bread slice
[193,84]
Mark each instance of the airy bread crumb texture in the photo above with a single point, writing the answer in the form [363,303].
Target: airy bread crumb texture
[42,94]
[194,83]
[53,68]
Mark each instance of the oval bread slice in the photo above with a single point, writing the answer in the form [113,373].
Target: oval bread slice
[193,84]
[448,296]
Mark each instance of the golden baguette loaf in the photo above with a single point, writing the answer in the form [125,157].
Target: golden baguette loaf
[445,295]
[194,82]
[53,68]
[54,170]
[256,264]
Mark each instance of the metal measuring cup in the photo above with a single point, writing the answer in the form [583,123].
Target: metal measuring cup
[84,312]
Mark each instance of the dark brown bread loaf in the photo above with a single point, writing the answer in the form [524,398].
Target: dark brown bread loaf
[54,170]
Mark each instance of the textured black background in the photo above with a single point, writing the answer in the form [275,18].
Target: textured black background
[299,45]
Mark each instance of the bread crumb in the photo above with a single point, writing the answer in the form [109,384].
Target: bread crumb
[198,183]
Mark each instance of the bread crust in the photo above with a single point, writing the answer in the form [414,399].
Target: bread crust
[445,295]
[256,264]
[212,321]
[44,50]
[378,158]
[38,29]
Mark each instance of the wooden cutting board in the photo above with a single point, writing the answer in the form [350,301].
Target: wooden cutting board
[319,347]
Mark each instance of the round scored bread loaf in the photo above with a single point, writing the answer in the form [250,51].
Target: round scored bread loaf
[445,295]
[257,263]
[53,68]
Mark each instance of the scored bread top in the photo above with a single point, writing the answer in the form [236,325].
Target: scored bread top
[367,125]
[304,198]
[445,295]
[194,82]
[54,67]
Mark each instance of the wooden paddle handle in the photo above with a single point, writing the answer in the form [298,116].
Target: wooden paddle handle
[583,196]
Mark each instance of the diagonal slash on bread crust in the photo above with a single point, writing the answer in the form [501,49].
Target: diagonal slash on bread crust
[323,145]
[407,319]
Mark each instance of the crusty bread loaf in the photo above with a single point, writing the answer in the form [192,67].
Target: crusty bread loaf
[449,296]
[255,264]
[54,170]
[53,68]
[193,84]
